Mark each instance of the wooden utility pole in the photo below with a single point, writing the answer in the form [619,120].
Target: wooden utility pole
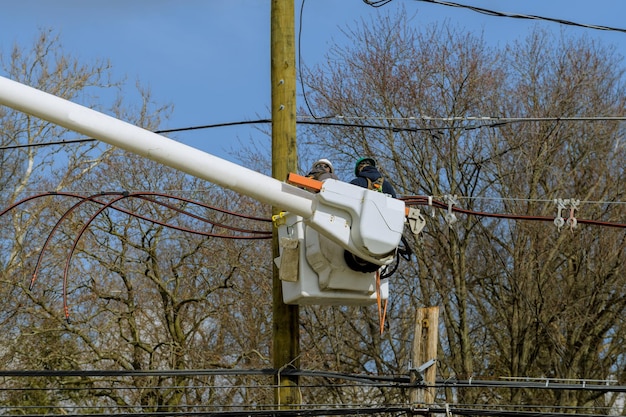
[424,352]
[286,337]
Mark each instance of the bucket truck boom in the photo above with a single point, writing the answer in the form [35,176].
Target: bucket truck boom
[365,223]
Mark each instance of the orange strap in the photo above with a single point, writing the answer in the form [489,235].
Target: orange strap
[382,310]
[306,182]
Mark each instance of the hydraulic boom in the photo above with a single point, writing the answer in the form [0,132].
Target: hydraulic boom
[367,224]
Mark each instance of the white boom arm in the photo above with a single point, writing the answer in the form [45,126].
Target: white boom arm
[360,220]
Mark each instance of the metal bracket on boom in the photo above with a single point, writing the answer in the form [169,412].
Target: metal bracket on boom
[416,220]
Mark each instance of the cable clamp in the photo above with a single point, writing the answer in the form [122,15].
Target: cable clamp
[571,221]
[564,204]
[451,200]
[559,221]
[430,204]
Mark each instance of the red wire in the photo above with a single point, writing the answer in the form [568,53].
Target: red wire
[422,200]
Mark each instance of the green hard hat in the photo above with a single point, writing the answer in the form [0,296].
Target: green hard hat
[372,162]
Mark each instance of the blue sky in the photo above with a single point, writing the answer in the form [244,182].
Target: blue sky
[211,58]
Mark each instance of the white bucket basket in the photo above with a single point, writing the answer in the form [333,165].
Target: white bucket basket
[313,270]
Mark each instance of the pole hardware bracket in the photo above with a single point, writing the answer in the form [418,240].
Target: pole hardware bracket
[420,370]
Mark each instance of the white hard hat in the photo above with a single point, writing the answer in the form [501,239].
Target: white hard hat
[325,161]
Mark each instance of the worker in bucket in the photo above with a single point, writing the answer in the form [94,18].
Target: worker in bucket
[322,170]
[367,176]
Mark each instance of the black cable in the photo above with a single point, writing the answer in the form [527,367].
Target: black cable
[506,413]
[403,252]
[33,145]
[227,124]
[522,16]
[398,381]
[181,129]
[205,372]
[285,411]
[394,129]
[306,100]
[377,3]
[304,95]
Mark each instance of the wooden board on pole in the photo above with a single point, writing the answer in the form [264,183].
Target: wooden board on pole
[425,342]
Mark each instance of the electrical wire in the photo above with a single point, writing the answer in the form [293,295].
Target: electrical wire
[118,196]
[265,234]
[252,234]
[523,16]
[483,122]
[426,201]
[304,95]
[499,412]
[401,382]
[226,124]
[301,410]
[283,411]
[35,145]
[391,381]
[181,129]
[498,119]
[377,3]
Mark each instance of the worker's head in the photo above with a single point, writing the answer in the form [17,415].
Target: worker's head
[362,163]
[325,164]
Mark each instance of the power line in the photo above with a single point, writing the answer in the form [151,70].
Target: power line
[227,124]
[429,201]
[116,197]
[377,3]
[174,130]
[306,100]
[390,381]
[523,16]
[400,382]
[247,411]
[416,200]
[487,122]
[499,412]
[33,145]
[151,197]
[478,118]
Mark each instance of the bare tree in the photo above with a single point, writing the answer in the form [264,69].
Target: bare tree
[151,285]
[519,298]
[147,281]
[557,293]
